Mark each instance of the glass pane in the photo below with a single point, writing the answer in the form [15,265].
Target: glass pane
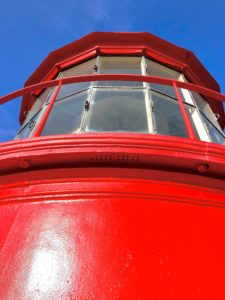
[45,95]
[27,129]
[118,111]
[158,70]
[215,135]
[120,65]
[39,102]
[164,89]
[205,109]
[82,69]
[167,115]
[71,89]
[66,115]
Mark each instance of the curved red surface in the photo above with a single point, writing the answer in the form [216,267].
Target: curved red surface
[112,217]
[112,246]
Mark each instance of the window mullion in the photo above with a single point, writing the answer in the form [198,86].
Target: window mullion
[90,96]
[148,100]
[203,133]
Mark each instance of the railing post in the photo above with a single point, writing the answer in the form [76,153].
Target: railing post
[187,122]
[43,121]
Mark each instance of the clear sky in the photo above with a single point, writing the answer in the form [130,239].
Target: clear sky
[31,29]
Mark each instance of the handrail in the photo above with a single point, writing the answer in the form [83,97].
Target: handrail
[113,77]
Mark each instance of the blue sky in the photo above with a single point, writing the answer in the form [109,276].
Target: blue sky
[31,29]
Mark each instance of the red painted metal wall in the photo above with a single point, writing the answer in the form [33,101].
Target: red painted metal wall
[90,217]
[113,245]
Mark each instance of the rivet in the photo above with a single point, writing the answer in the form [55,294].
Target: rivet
[86,105]
[23,163]
[202,168]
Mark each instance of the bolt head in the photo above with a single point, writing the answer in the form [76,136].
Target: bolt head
[23,163]
[203,168]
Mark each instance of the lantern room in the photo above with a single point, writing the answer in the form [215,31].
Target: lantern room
[123,105]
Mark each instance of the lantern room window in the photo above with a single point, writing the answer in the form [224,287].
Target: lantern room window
[117,111]
[70,110]
[122,106]
[119,65]
[85,68]
[167,116]
[155,69]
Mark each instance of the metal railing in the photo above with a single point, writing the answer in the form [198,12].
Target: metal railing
[114,77]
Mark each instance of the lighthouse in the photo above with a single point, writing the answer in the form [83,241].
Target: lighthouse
[114,186]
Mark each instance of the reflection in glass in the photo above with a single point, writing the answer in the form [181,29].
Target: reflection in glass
[120,65]
[167,116]
[71,89]
[205,109]
[28,128]
[82,69]
[39,102]
[215,134]
[158,70]
[44,97]
[118,111]
[164,89]
[66,115]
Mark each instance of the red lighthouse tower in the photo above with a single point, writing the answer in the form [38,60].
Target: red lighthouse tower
[114,185]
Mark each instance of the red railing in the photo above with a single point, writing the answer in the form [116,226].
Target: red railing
[115,77]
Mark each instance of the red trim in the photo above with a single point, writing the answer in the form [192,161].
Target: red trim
[78,59]
[95,184]
[100,149]
[163,59]
[121,51]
